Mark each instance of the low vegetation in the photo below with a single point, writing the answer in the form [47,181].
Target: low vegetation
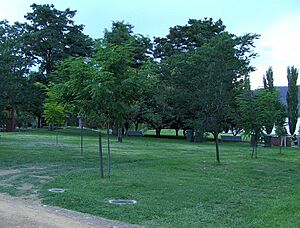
[175,183]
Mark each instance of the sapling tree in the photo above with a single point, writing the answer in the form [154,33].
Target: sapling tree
[54,114]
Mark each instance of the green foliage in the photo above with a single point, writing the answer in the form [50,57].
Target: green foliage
[121,75]
[292,98]
[58,36]
[182,39]
[250,118]
[204,80]
[70,84]
[268,80]
[14,66]
[53,111]
[106,86]
[259,110]
[271,110]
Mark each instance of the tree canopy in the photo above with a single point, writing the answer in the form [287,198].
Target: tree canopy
[195,78]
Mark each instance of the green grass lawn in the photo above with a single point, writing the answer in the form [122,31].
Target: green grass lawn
[175,183]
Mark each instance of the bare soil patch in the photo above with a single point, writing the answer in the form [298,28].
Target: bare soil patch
[5,172]
[18,212]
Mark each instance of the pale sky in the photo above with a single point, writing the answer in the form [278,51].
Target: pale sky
[277,21]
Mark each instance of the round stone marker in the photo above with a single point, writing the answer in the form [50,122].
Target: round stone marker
[56,190]
[122,202]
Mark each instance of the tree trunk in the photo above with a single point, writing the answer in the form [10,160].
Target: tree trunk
[120,138]
[39,122]
[81,139]
[11,120]
[56,128]
[108,151]
[100,153]
[256,151]
[50,127]
[254,145]
[280,148]
[157,131]
[217,146]
[114,131]
[176,130]
[126,126]
[280,144]
[136,126]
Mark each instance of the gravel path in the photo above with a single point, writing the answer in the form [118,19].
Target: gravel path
[20,212]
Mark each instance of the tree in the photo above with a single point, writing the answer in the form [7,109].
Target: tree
[14,67]
[258,110]
[222,66]
[182,39]
[121,54]
[268,80]
[146,90]
[72,86]
[36,96]
[204,65]
[105,86]
[271,111]
[292,98]
[57,35]
[250,119]
[54,112]
[177,85]
[280,124]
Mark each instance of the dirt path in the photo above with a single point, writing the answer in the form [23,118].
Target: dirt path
[18,212]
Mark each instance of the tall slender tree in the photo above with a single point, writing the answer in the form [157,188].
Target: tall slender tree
[292,98]
[268,80]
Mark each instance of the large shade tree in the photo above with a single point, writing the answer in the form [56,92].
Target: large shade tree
[52,35]
[204,65]
[14,67]
[105,86]
[182,39]
[171,52]
[221,66]
[121,53]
